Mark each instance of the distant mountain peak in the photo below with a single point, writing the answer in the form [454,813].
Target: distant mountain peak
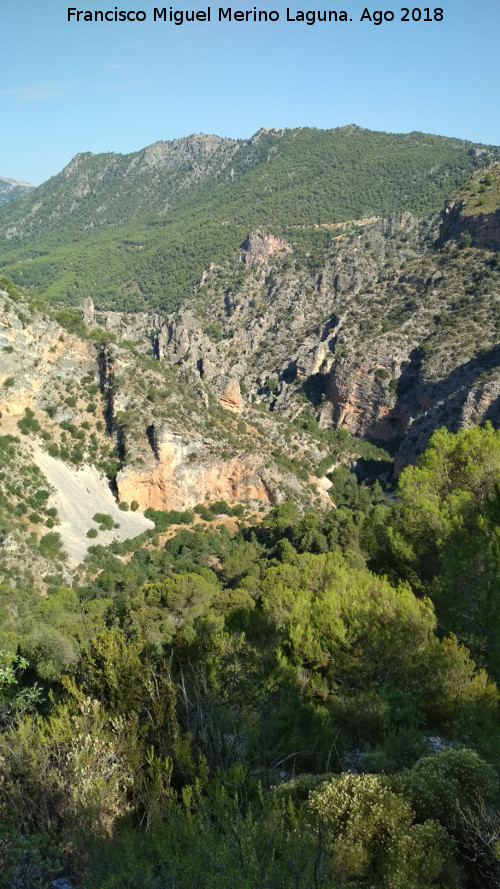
[12,188]
[14,182]
[75,162]
[267,131]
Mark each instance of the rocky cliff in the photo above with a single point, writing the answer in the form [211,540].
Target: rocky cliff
[184,471]
[479,229]
[472,216]
[389,336]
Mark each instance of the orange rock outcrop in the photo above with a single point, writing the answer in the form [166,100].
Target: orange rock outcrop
[184,473]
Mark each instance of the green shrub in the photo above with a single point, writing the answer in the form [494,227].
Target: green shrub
[163,519]
[51,545]
[370,837]
[71,321]
[220,507]
[458,789]
[104,521]
[204,513]
[28,423]
[441,785]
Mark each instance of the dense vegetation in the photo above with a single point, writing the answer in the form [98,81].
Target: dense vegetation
[482,193]
[146,243]
[264,709]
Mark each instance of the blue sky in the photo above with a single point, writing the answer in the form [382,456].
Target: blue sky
[71,87]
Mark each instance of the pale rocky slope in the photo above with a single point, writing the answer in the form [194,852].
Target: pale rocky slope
[78,495]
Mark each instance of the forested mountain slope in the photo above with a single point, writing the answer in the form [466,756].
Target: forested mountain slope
[136,231]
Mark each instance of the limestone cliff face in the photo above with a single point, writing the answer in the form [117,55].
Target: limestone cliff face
[230,394]
[181,338]
[464,401]
[358,401]
[196,148]
[260,246]
[181,341]
[33,355]
[184,471]
[483,228]
[96,406]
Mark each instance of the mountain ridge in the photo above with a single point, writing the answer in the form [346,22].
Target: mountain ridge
[136,231]
[12,188]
